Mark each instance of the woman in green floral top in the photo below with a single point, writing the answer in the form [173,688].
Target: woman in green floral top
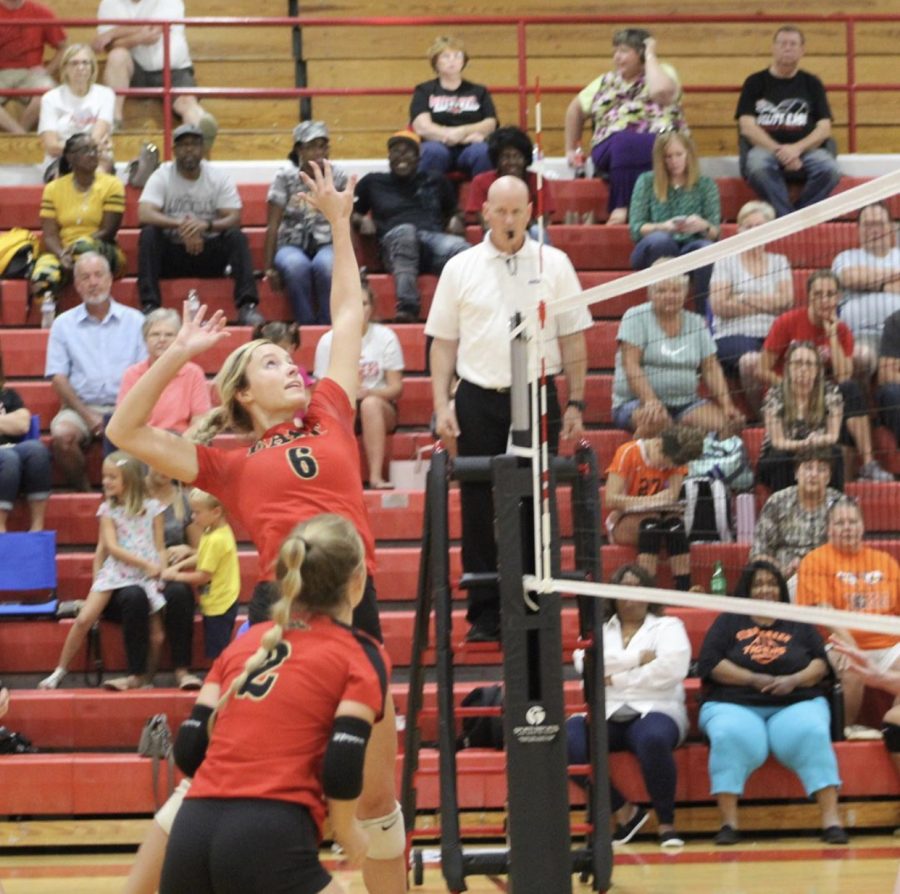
[675,210]
[628,106]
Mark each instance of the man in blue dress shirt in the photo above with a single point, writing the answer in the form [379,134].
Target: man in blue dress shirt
[89,348]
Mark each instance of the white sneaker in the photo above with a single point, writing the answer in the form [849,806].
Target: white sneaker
[53,681]
[859,733]
[873,471]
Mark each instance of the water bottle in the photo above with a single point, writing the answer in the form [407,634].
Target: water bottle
[580,164]
[48,310]
[193,303]
[718,583]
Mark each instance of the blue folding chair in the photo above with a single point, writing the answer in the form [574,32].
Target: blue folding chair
[34,428]
[28,573]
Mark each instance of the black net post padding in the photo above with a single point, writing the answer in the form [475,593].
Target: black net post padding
[540,856]
[586,524]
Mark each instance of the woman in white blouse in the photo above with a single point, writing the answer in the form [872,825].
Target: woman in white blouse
[646,657]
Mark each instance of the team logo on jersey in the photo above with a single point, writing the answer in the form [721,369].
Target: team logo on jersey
[303,462]
[288,436]
[260,682]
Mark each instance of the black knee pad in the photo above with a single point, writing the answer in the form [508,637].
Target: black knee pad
[892,737]
[676,537]
[649,536]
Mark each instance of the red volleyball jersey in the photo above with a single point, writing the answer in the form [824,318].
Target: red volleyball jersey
[293,472]
[270,738]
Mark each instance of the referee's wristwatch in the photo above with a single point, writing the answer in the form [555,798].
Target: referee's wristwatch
[578,404]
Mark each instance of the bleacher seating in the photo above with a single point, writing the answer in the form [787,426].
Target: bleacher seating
[85,725]
[92,774]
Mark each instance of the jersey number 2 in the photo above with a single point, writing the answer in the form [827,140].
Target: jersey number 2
[265,676]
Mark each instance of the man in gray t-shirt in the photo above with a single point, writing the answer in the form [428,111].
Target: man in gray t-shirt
[190,214]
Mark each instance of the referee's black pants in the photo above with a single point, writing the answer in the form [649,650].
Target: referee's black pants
[484,418]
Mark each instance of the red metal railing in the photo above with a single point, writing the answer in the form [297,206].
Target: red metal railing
[523,89]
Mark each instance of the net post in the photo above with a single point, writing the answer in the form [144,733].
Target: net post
[520,395]
[586,520]
[534,710]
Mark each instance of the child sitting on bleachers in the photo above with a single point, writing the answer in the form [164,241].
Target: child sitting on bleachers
[215,569]
[643,484]
[127,563]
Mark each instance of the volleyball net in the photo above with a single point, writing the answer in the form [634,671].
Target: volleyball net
[755,272]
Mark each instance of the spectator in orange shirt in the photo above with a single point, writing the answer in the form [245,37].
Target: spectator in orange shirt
[642,487]
[846,575]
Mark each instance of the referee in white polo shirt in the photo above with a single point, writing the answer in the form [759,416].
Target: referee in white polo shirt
[477,294]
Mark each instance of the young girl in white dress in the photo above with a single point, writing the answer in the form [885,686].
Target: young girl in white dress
[130,552]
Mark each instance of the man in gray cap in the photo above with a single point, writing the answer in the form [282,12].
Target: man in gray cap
[298,253]
[414,216]
[190,215]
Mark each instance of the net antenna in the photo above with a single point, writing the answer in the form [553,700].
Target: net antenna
[529,379]
[818,249]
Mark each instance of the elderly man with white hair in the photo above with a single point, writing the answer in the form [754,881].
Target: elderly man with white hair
[89,348]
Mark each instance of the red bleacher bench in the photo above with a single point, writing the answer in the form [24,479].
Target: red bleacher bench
[117,784]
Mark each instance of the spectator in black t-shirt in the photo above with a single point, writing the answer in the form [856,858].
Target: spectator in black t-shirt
[453,116]
[414,216]
[784,122]
[889,374]
[24,462]
[762,692]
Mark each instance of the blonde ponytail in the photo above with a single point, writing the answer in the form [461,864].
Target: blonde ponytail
[207,426]
[315,566]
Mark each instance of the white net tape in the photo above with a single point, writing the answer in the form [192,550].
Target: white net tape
[844,205]
[826,617]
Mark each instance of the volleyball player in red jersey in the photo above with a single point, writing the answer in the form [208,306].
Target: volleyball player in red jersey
[292,471]
[289,732]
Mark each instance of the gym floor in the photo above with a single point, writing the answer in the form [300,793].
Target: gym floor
[791,865]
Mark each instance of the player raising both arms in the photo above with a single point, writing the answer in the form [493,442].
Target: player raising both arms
[292,472]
